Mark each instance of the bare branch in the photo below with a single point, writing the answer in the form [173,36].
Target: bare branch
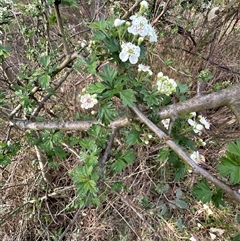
[134,6]
[60,25]
[224,97]
[46,97]
[66,125]
[181,153]
[43,165]
[161,14]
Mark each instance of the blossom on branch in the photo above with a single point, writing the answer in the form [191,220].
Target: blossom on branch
[88,101]
[140,26]
[165,85]
[129,51]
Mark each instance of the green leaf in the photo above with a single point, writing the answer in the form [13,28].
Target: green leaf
[60,153]
[183,88]
[96,88]
[101,25]
[162,188]
[129,157]
[91,160]
[109,74]
[133,137]
[69,3]
[4,52]
[179,224]
[238,218]
[179,193]
[118,165]
[236,238]
[98,35]
[163,154]
[128,97]
[181,204]
[231,168]
[87,143]
[112,44]
[150,97]
[217,198]
[107,113]
[202,191]
[117,186]
[234,148]
[44,81]
[45,61]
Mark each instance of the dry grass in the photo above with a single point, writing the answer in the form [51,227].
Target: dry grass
[32,210]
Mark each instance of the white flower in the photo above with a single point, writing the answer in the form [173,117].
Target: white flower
[144,68]
[88,101]
[198,158]
[144,4]
[118,22]
[165,85]
[196,127]
[129,51]
[152,34]
[166,123]
[204,122]
[139,26]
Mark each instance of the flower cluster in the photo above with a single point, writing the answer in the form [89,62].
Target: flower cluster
[140,26]
[197,127]
[165,85]
[88,101]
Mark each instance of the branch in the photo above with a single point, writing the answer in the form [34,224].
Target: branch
[60,25]
[66,125]
[134,6]
[226,97]
[46,97]
[181,153]
[161,14]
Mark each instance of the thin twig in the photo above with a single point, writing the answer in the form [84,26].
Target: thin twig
[74,219]
[134,6]
[46,97]
[60,25]
[107,150]
[161,14]
[128,203]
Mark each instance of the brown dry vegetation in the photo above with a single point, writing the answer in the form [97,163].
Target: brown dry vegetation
[31,209]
